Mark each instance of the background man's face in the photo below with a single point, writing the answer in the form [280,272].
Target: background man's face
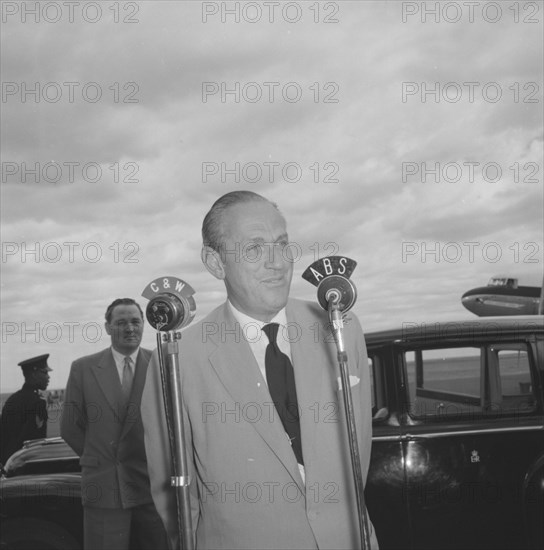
[125,328]
[258,266]
[39,378]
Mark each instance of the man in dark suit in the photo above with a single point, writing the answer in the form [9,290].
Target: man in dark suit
[270,460]
[24,415]
[101,421]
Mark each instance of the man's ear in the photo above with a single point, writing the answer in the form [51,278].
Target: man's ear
[108,328]
[212,260]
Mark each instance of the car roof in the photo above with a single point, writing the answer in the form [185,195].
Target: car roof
[457,330]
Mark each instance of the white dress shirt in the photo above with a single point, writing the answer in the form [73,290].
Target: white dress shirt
[119,359]
[252,331]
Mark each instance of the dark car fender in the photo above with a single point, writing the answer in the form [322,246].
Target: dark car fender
[41,511]
[533,503]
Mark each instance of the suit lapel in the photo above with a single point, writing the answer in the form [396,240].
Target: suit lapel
[238,371]
[142,362]
[307,358]
[106,375]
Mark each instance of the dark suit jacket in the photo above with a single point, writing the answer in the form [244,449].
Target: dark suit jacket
[107,435]
[247,487]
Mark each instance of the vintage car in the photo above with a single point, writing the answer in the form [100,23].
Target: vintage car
[458,452]
[40,498]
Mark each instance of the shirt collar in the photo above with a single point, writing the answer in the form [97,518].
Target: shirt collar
[120,358]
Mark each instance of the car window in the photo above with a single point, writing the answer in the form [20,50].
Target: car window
[377,387]
[469,382]
[514,389]
[372,385]
[444,382]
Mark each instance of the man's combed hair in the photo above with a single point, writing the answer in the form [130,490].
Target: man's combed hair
[212,231]
[121,302]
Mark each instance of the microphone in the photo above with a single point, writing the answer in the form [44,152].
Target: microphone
[171,304]
[337,290]
[331,275]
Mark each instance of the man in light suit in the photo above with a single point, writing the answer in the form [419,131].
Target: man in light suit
[101,421]
[256,482]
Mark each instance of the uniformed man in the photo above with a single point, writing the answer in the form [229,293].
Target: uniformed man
[24,415]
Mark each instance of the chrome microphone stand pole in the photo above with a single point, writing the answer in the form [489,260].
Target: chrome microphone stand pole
[171,306]
[337,294]
[171,386]
[335,317]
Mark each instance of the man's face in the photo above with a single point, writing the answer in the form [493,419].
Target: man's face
[257,263]
[126,328]
[40,379]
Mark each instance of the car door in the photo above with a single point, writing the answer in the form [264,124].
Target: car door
[386,477]
[472,429]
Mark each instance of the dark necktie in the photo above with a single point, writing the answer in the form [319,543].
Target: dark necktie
[127,378]
[281,384]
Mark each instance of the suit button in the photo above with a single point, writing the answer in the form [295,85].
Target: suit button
[312,515]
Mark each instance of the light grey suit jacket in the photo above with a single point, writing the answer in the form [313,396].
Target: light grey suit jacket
[247,487]
[106,433]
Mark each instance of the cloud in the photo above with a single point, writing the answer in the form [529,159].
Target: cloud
[349,156]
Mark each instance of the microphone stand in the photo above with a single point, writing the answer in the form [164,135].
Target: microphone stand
[171,389]
[335,316]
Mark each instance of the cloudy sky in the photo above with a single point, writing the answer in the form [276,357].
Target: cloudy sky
[408,140]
